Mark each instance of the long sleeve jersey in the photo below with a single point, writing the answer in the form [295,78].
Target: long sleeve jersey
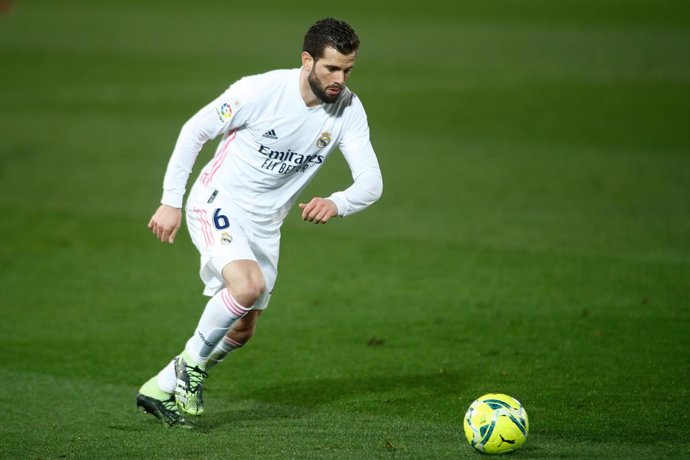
[272,146]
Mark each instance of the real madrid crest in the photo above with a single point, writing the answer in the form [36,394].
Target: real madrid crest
[225,238]
[323,140]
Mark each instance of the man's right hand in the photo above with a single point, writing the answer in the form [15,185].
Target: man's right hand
[165,223]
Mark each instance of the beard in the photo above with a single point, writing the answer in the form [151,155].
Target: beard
[318,89]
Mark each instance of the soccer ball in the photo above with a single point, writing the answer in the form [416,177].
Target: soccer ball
[496,424]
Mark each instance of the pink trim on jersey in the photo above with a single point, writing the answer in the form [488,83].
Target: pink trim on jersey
[231,304]
[205,226]
[207,176]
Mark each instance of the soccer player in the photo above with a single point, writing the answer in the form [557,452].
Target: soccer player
[277,129]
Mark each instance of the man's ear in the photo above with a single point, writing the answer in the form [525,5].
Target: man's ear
[307,61]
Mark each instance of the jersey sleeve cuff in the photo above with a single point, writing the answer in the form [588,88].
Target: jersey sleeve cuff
[172,199]
[340,203]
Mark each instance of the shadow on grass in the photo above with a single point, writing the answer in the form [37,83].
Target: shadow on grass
[424,397]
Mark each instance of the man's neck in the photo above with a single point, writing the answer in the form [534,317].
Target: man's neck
[309,98]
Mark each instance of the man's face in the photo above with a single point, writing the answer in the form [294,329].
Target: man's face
[329,74]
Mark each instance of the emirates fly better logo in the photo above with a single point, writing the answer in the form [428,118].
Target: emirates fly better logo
[287,162]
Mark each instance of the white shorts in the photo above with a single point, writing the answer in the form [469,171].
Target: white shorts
[223,233]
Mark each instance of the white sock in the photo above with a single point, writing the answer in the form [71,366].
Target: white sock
[167,378]
[223,349]
[221,311]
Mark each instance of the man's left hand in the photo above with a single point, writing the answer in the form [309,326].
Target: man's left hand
[318,210]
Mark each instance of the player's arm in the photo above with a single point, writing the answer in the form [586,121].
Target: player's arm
[206,124]
[364,191]
[357,150]
[366,188]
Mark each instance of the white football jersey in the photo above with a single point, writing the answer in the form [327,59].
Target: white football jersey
[272,145]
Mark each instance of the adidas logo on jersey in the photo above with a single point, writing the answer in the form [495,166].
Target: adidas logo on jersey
[271,134]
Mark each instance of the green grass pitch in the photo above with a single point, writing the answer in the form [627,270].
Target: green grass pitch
[533,237]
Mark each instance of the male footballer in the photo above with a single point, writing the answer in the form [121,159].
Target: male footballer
[277,129]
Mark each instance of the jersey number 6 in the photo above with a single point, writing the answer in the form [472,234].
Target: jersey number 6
[220,221]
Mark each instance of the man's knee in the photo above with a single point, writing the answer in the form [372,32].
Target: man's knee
[248,290]
[245,281]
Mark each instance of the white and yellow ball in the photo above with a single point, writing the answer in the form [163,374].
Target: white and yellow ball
[496,424]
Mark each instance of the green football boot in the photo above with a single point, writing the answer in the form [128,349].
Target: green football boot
[190,379]
[160,404]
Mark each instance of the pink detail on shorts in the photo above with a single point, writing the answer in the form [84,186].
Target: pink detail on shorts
[231,304]
[218,160]
[205,226]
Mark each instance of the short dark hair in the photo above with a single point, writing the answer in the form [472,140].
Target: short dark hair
[330,32]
